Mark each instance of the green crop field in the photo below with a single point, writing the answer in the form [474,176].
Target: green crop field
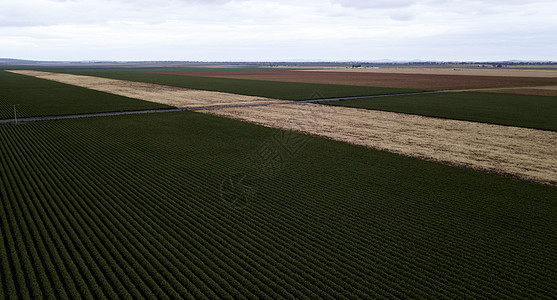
[39,97]
[539,112]
[190,205]
[270,89]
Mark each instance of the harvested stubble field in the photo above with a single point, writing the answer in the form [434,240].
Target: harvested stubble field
[422,81]
[525,153]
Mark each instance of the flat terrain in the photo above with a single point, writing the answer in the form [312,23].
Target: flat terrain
[388,78]
[200,205]
[459,71]
[134,207]
[261,88]
[539,91]
[526,153]
[530,111]
[479,106]
[167,95]
[38,97]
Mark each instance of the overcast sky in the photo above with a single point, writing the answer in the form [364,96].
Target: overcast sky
[266,30]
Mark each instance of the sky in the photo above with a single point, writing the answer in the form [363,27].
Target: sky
[267,30]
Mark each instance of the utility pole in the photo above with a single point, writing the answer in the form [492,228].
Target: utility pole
[15,114]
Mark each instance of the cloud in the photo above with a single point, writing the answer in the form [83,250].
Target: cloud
[381,4]
[266,29]
[63,12]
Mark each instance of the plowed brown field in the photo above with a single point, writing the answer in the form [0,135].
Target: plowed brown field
[529,91]
[383,79]
[499,72]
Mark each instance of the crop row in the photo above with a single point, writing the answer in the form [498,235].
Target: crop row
[536,112]
[39,97]
[91,210]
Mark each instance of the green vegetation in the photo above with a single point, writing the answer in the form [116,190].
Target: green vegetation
[40,97]
[270,89]
[130,207]
[539,112]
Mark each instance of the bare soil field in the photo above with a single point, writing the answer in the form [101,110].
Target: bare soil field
[173,96]
[391,79]
[497,72]
[544,91]
[525,153]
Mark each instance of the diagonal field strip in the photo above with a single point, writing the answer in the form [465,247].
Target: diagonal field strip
[520,152]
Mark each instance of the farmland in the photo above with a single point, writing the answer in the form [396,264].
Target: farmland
[474,145]
[514,110]
[539,91]
[167,95]
[261,88]
[491,148]
[91,210]
[393,78]
[38,97]
[204,205]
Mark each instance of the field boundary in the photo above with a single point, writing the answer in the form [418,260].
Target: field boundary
[528,154]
